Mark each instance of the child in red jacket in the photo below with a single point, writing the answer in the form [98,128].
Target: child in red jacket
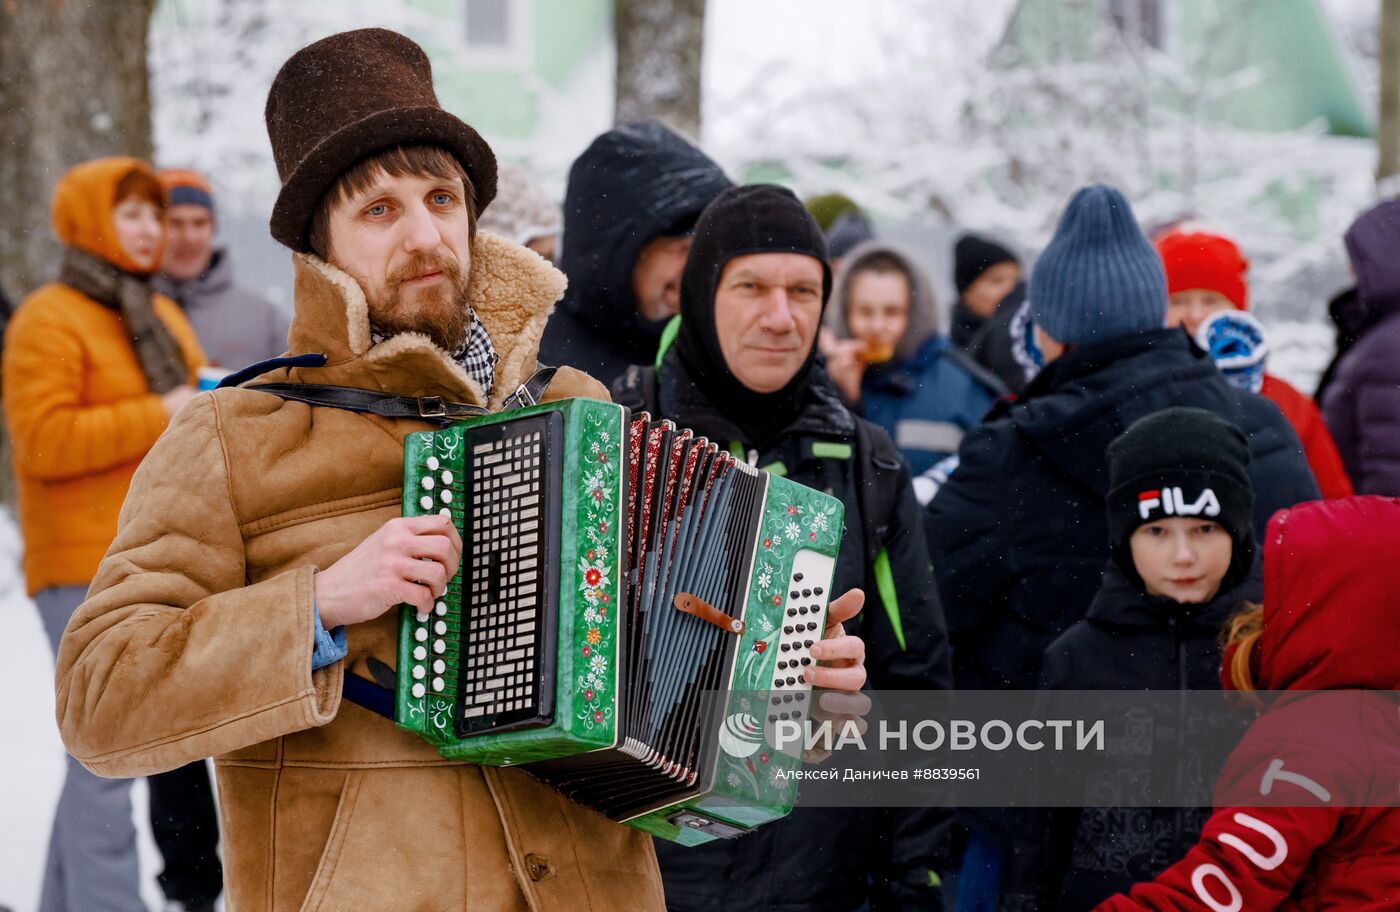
[1206,275]
[1305,811]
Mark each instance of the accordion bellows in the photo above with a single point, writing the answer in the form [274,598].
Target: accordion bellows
[631,618]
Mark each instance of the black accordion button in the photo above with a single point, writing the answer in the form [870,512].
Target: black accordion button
[792,612]
[797,577]
[787,629]
[806,593]
[817,591]
[793,593]
[807,643]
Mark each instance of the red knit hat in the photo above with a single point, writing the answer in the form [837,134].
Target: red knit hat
[1208,261]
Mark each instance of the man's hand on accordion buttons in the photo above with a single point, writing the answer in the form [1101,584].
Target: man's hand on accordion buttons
[840,672]
[407,560]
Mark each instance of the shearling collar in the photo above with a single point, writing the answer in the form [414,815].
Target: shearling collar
[511,288]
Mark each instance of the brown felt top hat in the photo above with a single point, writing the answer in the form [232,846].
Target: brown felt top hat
[347,97]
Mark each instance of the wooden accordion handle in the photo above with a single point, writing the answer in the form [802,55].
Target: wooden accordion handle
[698,607]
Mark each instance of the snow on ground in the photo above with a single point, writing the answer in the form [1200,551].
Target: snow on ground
[31,755]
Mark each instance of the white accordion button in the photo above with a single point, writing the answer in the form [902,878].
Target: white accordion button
[433,463]
[426,503]
[440,608]
[445,512]
[419,690]
[420,652]
[446,496]
[427,482]
[421,618]
[447,478]
[439,684]
[439,666]
[440,628]
[418,672]
[421,634]
[439,646]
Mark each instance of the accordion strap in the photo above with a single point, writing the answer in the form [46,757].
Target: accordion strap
[385,405]
[378,696]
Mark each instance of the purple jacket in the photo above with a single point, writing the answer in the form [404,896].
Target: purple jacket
[1362,403]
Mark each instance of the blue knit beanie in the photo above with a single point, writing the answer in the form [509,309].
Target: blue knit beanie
[1099,278]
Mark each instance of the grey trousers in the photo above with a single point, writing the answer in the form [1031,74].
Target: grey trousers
[92,863]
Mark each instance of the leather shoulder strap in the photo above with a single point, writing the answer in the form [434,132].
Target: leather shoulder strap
[385,405]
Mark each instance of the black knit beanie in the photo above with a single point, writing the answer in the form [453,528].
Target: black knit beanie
[974,255]
[760,218]
[1184,462]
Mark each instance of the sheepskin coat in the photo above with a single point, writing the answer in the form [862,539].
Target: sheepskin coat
[197,635]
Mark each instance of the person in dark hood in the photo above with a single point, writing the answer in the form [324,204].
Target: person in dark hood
[990,291]
[1172,584]
[743,370]
[892,364]
[629,210]
[1361,393]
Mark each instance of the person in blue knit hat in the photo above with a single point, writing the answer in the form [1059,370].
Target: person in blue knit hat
[1018,536]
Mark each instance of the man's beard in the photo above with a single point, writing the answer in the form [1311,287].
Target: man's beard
[439,311]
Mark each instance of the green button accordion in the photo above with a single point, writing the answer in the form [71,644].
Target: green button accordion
[631,619]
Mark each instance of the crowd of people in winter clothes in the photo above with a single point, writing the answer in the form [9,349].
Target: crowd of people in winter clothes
[1079,476]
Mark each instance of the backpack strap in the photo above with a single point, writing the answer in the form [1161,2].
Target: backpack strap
[878,464]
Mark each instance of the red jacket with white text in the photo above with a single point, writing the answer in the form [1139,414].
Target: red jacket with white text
[1300,821]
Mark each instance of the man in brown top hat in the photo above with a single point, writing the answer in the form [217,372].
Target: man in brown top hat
[260,551]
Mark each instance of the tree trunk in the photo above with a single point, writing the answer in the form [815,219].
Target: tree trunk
[1388,126]
[73,86]
[660,45]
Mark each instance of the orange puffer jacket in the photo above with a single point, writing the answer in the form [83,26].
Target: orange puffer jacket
[77,407]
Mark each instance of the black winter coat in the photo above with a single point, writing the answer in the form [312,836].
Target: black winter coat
[1018,535]
[823,859]
[634,184]
[1075,859]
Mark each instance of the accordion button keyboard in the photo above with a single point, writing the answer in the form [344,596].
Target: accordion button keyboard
[439,646]
[440,609]
[438,685]
[421,634]
[418,691]
[420,653]
[433,463]
[419,672]
[427,482]
[426,503]
[807,603]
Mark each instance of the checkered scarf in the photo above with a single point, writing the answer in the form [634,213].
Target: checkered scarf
[478,356]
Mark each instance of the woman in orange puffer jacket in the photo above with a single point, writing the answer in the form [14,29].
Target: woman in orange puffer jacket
[95,365]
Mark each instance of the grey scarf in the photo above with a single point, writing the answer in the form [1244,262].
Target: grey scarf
[129,295]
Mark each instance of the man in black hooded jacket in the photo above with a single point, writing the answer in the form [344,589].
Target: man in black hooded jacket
[748,378]
[1017,535]
[631,204]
